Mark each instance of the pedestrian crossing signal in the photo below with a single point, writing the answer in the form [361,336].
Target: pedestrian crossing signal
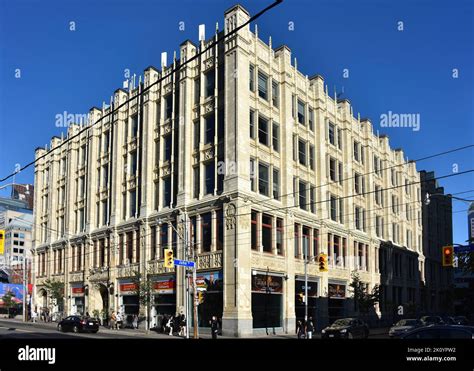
[323,262]
[448,256]
[169,258]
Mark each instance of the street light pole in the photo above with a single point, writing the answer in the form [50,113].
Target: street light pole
[25,288]
[306,282]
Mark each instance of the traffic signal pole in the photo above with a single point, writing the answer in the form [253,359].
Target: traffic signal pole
[306,282]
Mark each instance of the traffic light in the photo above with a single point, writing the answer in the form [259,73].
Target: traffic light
[448,256]
[169,258]
[323,262]
[2,241]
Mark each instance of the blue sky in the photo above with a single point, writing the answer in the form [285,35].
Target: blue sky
[409,71]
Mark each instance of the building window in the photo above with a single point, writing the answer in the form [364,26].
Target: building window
[275,93]
[252,175]
[206,232]
[209,178]
[333,201]
[262,85]
[339,138]
[254,230]
[301,113]
[167,147]
[332,169]
[358,218]
[279,236]
[276,184]
[134,126]
[267,221]
[196,182]
[209,127]
[276,137]
[312,196]
[252,77]
[356,151]
[331,133]
[197,91]
[219,230]
[263,179]
[210,79]
[302,195]
[168,106]
[359,185]
[311,119]
[252,124]
[133,203]
[263,130]
[167,191]
[197,134]
[311,157]
[297,240]
[133,163]
[302,152]
[315,242]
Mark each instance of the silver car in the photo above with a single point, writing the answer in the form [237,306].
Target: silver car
[403,326]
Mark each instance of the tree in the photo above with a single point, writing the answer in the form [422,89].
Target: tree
[144,290]
[56,291]
[8,301]
[364,300]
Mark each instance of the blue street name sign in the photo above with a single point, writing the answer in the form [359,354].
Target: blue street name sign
[184,263]
[464,248]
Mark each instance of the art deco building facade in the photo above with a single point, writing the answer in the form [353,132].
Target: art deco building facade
[255,162]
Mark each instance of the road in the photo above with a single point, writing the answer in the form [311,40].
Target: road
[40,330]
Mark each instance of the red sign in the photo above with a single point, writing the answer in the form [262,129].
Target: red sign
[128,287]
[164,287]
[77,290]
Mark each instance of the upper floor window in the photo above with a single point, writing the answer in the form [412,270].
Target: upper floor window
[134,126]
[262,85]
[276,137]
[275,93]
[311,119]
[331,133]
[209,127]
[252,77]
[210,81]
[167,147]
[263,179]
[357,151]
[302,152]
[301,112]
[168,106]
[263,130]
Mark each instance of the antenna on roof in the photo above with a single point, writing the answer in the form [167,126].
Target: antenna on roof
[202,32]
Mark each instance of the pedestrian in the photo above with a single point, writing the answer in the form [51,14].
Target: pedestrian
[169,326]
[113,321]
[135,322]
[182,324]
[309,328]
[300,330]
[214,327]
[33,316]
[118,322]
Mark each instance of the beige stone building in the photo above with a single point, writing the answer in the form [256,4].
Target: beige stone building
[254,162]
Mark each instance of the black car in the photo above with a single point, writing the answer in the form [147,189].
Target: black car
[461,320]
[403,326]
[448,320]
[441,332]
[431,320]
[346,328]
[79,324]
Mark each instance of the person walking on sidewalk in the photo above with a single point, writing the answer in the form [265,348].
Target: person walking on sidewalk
[309,328]
[214,327]
[33,316]
[300,330]
[135,322]
[113,321]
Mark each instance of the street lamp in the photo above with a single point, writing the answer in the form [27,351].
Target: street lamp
[428,196]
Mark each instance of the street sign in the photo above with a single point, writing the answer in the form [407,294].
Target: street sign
[464,248]
[184,263]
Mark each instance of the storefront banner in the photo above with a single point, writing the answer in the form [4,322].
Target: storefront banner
[209,281]
[166,286]
[77,291]
[128,287]
[267,283]
[312,288]
[337,291]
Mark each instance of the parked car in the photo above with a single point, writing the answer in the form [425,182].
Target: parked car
[461,320]
[440,332]
[347,328]
[448,320]
[79,324]
[431,320]
[403,326]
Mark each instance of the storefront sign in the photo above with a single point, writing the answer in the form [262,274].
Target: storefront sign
[77,290]
[312,288]
[267,283]
[164,286]
[127,287]
[337,291]
[209,281]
